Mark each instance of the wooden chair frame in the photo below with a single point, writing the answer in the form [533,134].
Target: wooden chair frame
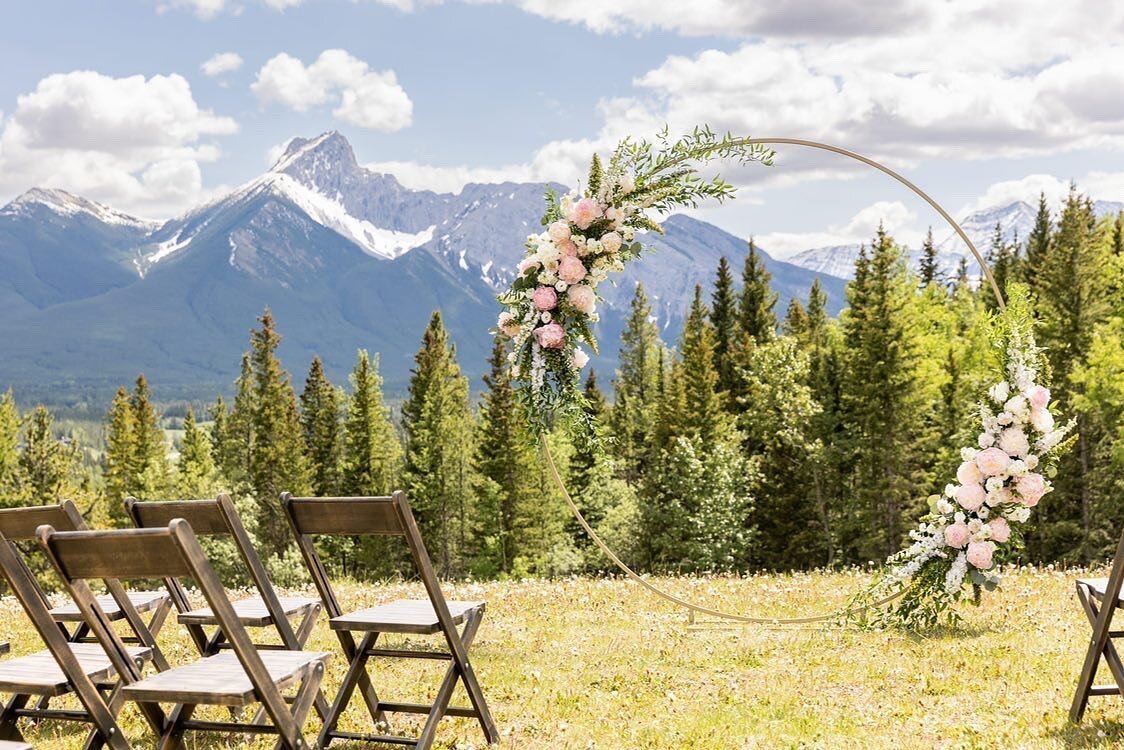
[1100,644]
[219,517]
[387,516]
[174,552]
[97,709]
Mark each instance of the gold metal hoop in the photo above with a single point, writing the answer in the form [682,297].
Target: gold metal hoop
[695,608]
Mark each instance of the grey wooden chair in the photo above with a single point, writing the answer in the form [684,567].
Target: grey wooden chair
[219,517]
[391,516]
[238,677]
[1100,598]
[19,524]
[65,667]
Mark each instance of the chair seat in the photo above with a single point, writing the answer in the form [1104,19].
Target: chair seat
[251,612]
[143,601]
[403,616]
[1097,586]
[10,745]
[39,673]
[221,680]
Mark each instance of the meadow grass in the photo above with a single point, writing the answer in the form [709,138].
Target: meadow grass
[601,663]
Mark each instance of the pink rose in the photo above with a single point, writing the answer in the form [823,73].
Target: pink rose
[1042,419]
[969,473]
[585,212]
[979,554]
[526,264]
[992,461]
[583,299]
[956,535]
[579,360]
[571,270]
[551,335]
[545,298]
[1031,487]
[970,496]
[567,248]
[559,230]
[1013,442]
[1039,397]
[508,324]
[1000,529]
[611,242]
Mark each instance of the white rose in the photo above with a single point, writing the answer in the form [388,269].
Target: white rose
[1018,407]
[1000,392]
[968,454]
[986,440]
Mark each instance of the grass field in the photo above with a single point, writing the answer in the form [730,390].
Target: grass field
[592,663]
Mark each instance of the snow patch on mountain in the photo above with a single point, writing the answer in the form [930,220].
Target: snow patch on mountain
[68,205]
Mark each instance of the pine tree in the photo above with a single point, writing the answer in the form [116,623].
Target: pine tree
[586,456]
[120,457]
[929,270]
[438,427]
[755,311]
[962,274]
[9,446]
[220,436]
[724,321]
[47,461]
[634,388]
[238,443]
[277,462]
[150,452]
[197,473]
[1118,235]
[795,319]
[320,428]
[1001,260]
[372,453]
[704,418]
[1038,244]
[506,466]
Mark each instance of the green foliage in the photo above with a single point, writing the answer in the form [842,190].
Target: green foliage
[756,316]
[320,428]
[724,321]
[9,446]
[49,463]
[929,270]
[635,387]
[196,476]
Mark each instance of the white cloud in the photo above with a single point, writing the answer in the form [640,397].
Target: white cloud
[221,62]
[1106,186]
[133,142]
[897,218]
[367,98]
[203,9]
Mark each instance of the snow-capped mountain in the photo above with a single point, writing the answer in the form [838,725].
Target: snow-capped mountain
[345,257]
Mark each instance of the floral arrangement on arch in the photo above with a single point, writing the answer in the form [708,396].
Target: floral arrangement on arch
[551,306]
[974,526]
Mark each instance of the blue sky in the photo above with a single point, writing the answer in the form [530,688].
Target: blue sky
[980,102]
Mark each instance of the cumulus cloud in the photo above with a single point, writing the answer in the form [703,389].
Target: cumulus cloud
[1108,186]
[897,218]
[132,142]
[366,98]
[203,9]
[221,62]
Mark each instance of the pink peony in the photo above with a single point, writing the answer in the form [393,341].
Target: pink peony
[611,242]
[580,359]
[582,297]
[969,473]
[551,335]
[545,298]
[970,496]
[508,324]
[585,212]
[956,535]
[1042,419]
[559,230]
[992,461]
[527,263]
[1031,487]
[1039,397]
[567,248]
[979,554]
[1013,442]
[571,270]
[1000,529]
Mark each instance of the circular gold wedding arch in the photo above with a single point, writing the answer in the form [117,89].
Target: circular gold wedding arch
[709,611]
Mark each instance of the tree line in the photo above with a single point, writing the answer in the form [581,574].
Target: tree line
[757,440]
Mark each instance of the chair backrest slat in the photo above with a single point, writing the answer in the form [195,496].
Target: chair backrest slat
[19,524]
[352,516]
[142,554]
[205,516]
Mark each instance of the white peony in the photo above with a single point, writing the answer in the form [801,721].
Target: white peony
[1013,442]
[1000,392]
[1018,407]
[986,440]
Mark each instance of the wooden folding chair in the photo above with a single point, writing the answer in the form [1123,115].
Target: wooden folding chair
[84,669]
[1100,598]
[359,516]
[19,524]
[238,677]
[219,517]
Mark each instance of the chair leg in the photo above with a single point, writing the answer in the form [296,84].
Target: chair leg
[472,685]
[303,633]
[1100,644]
[156,624]
[172,739]
[302,704]
[445,691]
[8,728]
[366,687]
[355,672]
